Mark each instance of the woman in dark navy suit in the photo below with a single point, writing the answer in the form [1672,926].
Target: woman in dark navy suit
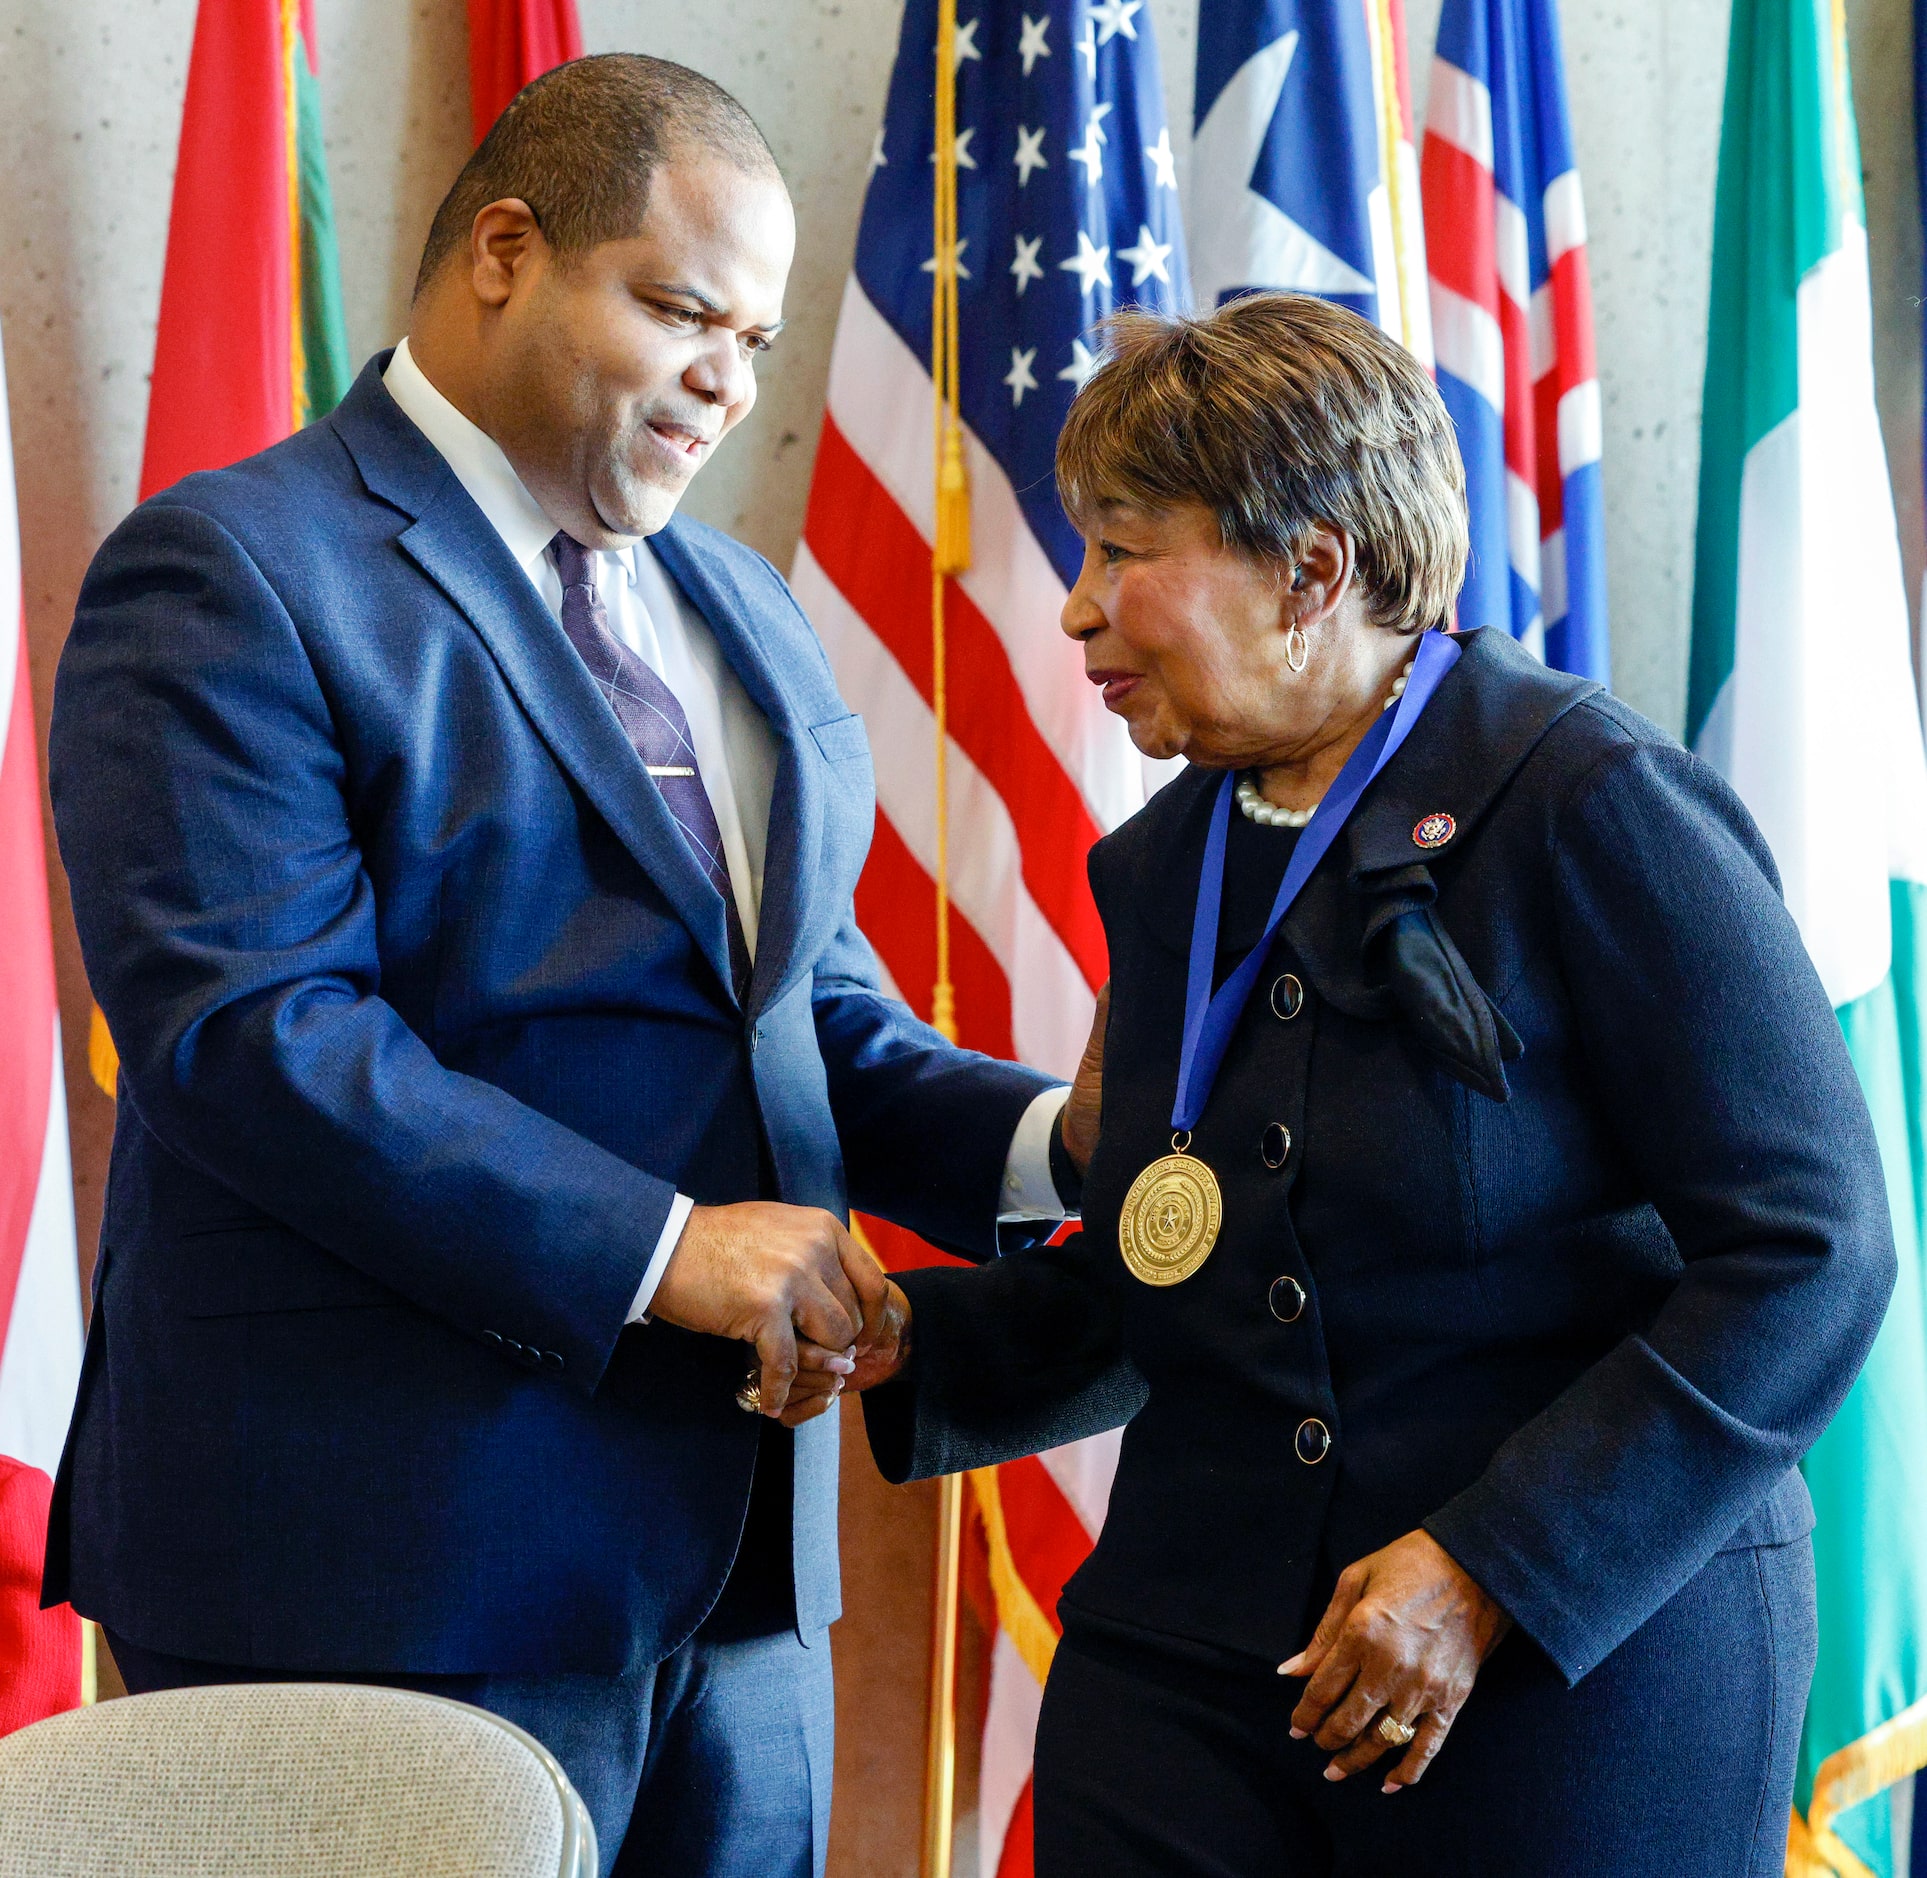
[1473,1270]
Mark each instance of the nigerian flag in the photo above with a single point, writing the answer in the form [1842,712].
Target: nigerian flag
[1802,694]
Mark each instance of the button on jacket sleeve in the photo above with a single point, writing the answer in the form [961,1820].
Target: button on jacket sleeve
[1719,1067]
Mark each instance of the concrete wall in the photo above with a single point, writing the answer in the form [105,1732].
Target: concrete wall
[90,94]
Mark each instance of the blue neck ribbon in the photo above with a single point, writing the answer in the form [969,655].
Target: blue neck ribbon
[1210,1020]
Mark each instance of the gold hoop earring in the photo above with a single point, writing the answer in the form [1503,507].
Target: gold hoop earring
[1297,648]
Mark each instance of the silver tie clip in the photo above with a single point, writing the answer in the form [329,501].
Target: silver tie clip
[669,769]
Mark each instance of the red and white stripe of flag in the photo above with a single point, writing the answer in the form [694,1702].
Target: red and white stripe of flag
[1038,768]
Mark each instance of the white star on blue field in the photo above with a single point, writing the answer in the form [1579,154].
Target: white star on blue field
[1067,207]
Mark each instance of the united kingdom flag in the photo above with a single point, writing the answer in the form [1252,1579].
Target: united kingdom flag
[1505,237]
[1067,207]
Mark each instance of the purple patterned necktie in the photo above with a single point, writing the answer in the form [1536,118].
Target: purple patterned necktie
[655,724]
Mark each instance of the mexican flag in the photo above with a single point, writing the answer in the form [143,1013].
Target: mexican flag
[250,345]
[1802,694]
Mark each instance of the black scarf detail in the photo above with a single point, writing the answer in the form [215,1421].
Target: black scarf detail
[1409,957]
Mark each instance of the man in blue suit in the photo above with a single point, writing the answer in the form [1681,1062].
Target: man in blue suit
[463,849]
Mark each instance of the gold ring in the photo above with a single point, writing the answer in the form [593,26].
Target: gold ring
[749,1395]
[1395,1733]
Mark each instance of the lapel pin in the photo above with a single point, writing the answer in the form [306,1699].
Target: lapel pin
[1435,830]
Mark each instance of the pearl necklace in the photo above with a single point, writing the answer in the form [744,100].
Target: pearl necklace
[1267,814]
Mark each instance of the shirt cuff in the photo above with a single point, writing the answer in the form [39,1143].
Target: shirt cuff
[1028,1191]
[680,1209]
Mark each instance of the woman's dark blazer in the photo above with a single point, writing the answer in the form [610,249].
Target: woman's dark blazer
[1581,1191]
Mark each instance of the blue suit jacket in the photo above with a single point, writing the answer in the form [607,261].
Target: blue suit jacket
[425,1015]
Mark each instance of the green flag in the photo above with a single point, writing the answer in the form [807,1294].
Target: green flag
[324,338]
[1802,694]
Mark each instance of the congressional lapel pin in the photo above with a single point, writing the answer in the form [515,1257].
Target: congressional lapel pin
[1435,830]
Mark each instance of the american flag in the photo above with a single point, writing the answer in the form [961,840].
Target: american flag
[1067,207]
[1505,234]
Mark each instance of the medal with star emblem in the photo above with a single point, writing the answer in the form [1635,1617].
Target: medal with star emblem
[1170,1218]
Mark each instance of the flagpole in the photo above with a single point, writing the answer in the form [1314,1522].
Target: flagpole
[949,554]
[1391,122]
[950,548]
[940,1752]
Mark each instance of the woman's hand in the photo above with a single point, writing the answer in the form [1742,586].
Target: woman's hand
[884,1347]
[880,1351]
[1403,1635]
[820,1378]
[1080,1117]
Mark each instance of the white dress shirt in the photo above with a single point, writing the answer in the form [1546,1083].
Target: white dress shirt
[735,746]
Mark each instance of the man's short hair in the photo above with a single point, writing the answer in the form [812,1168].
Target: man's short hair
[1279,412]
[580,146]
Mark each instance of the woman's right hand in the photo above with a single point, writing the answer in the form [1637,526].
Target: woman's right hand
[1081,1112]
[883,1350]
[879,1353]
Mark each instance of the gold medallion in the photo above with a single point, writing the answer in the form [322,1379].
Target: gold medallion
[1170,1218]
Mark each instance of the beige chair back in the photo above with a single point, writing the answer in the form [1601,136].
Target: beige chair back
[287,1780]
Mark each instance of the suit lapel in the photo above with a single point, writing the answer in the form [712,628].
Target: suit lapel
[1488,715]
[796,809]
[452,542]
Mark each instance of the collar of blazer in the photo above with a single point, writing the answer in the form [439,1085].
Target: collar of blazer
[1487,716]
[1365,931]
[453,543]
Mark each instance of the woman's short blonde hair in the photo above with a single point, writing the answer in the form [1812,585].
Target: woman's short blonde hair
[1279,412]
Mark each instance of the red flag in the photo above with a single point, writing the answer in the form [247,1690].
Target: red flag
[39,1650]
[250,344]
[223,374]
[511,42]
[227,302]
